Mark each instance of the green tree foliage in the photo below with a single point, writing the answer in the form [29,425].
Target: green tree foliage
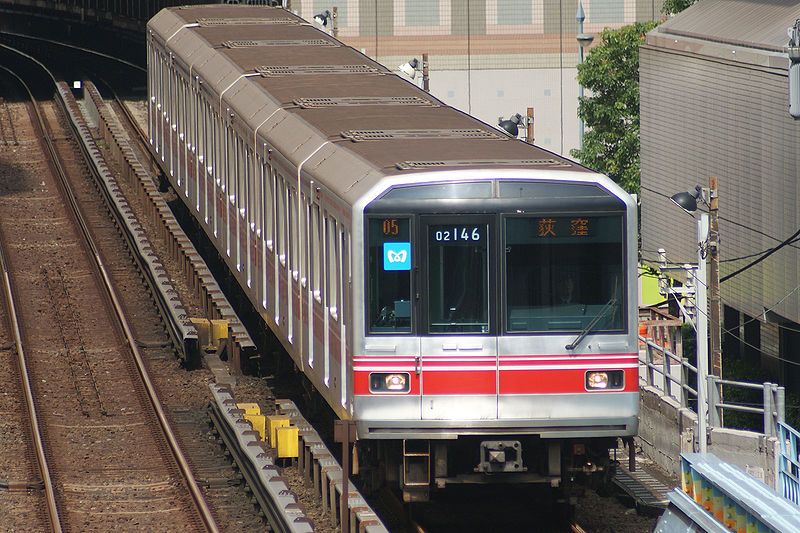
[671,7]
[611,110]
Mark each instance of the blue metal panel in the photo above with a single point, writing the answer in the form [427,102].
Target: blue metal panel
[789,464]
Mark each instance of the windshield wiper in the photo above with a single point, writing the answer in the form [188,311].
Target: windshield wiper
[590,326]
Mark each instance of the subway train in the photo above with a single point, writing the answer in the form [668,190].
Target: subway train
[467,299]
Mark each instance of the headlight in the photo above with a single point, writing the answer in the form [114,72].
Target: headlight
[604,379]
[389,382]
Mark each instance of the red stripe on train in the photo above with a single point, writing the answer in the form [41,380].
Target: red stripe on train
[466,382]
[556,381]
[361,385]
[543,359]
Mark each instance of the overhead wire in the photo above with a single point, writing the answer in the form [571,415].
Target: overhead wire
[752,319]
[760,256]
[757,348]
[757,261]
[767,310]
[737,337]
[741,225]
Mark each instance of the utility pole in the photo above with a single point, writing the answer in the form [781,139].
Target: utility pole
[714,312]
[529,127]
[702,334]
[335,23]
[426,81]
[584,40]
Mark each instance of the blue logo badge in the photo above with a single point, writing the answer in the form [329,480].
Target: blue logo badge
[397,256]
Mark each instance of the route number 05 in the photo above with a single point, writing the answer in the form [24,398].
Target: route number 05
[391,227]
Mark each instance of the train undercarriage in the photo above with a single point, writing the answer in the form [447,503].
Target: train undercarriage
[419,468]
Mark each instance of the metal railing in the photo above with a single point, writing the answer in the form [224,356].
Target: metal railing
[671,375]
[669,382]
[773,410]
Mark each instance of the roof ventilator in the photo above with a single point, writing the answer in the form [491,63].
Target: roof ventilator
[253,21]
[382,135]
[278,42]
[413,165]
[349,101]
[274,71]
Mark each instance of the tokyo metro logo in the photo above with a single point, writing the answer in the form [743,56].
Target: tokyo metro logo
[397,256]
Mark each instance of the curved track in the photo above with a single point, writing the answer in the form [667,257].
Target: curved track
[106,454]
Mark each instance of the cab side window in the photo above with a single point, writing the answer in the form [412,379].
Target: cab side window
[389,278]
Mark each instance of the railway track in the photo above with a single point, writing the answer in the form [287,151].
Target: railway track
[324,474]
[217,480]
[184,394]
[22,498]
[8,132]
[105,452]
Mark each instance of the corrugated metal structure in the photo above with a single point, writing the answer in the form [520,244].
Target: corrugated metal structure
[714,101]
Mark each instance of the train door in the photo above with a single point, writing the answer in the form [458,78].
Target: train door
[459,363]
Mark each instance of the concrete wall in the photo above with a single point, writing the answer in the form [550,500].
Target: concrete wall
[752,452]
[666,430]
[490,94]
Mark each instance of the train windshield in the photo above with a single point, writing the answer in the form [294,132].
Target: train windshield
[563,271]
[458,278]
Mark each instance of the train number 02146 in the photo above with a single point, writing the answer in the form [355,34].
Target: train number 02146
[456,233]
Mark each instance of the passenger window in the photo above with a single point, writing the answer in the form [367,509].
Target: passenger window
[316,251]
[389,278]
[269,205]
[305,241]
[345,273]
[291,230]
[333,269]
[280,237]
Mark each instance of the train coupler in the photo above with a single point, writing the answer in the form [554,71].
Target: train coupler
[501,456]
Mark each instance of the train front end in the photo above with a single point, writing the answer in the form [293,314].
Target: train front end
[499,328]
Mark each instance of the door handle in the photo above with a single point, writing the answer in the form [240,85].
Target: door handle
[418,365]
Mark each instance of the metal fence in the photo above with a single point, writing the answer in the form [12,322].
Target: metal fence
[671,374]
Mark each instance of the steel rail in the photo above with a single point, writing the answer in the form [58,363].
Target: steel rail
[180,459]
[183,334]
[36,432]
[241,337]
[271,491]
[276,516]
[41,458]
[182,463]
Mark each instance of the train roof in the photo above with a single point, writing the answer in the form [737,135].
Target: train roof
[300,88]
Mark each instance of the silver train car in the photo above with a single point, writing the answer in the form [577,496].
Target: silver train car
[468,299]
